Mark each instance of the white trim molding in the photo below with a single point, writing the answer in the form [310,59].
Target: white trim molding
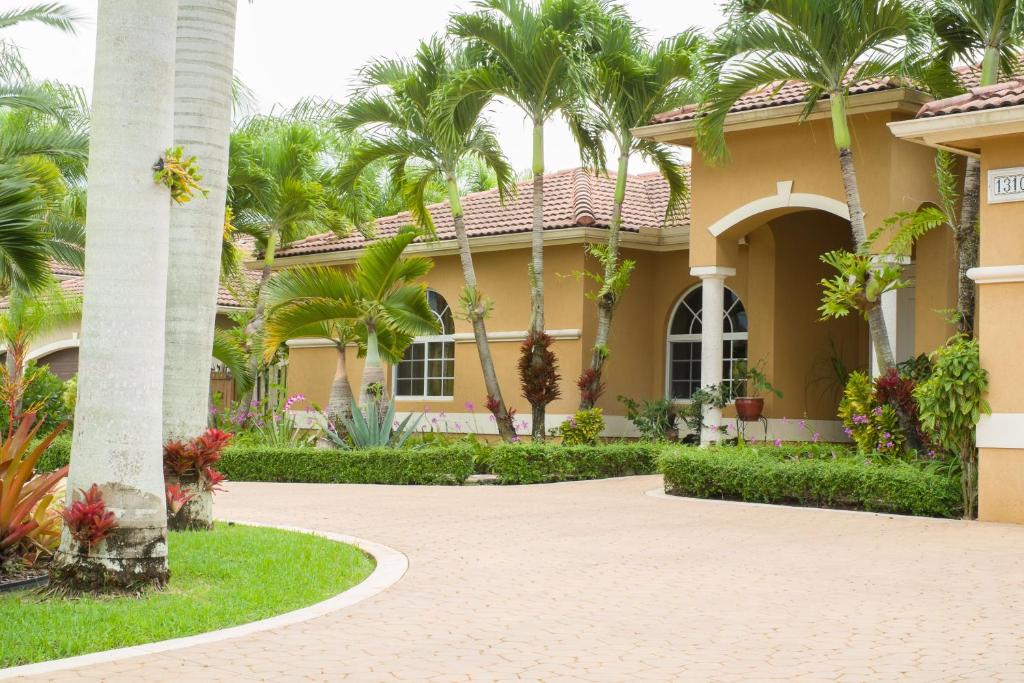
[54,347]
[515,335]
[783,198]
[712,272]
[311,343]
[1001,430]
[996,274]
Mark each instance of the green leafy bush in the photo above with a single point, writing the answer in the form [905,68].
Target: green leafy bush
[816,479]
[583,428]
[655,420]
[57,455]
[44,392]
[540,463]
[444,465]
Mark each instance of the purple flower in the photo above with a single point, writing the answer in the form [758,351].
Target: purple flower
[469,406]
[777,442]
[877,411]
[816,437]
[848,431]
[443,415]
[434,420]
[491,416]
[293,400]
[803,424]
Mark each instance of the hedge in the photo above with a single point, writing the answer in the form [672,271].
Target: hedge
[56,456]
[845,482]
[541,463]
[437,465]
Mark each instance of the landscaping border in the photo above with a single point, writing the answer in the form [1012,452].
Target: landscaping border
[391,567]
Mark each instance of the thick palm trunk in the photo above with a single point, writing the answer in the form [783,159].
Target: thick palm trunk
[876,321]
[340,402]
[968,244]
[118,421]
[204,59]
[373,384]
[504,421]
[607,302]
[538,410]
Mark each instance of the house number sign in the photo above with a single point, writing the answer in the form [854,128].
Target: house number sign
[1006,185]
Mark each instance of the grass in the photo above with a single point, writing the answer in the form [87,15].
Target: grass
[231,576]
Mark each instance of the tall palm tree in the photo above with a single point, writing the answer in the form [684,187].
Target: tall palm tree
[24,319]
[118,437]
[16,89]
[378,305]
[827,46]
[204,58]
[281,188]
[402,112]
[630,82]
[969,30]
[533,56]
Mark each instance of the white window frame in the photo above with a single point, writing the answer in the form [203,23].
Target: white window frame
[678,338]
[426,340]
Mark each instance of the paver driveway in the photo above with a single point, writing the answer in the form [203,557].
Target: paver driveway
[595,581]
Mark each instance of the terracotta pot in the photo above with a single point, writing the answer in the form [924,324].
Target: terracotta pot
[749,409]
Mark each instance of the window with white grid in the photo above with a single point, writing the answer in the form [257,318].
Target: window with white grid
[684,343]
[428,368]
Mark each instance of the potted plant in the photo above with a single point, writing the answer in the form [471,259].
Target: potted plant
[749,384]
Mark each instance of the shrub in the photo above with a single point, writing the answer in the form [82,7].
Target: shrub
[583,428]
[443,465]
[539,463]
[812,479]
[655,420]
[44,396]
[57,455]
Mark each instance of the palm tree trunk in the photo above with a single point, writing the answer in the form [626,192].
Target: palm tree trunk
[255,326]
[373,371]
[504,421]
[607,302]
[118,421]
[539,410]
[340,402]
[968,244]
[204,59]
[876,321]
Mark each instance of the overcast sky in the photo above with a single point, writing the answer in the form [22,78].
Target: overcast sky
[290,49]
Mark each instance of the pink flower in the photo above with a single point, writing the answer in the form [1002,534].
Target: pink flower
[777,442]
[469,406]
[816,438]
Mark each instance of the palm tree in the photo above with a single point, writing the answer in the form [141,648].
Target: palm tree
[378,301]
[25,319]
[118,441]
[402,111]
[16,89]
[630,82]
[532,55]
[827,46]
[202,125]
[992,30]
[281,188]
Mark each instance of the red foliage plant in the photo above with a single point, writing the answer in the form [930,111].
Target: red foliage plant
[177,498]
[197,457]
[897,390]
[88,520]
[539,380]
[590,385]
[495,408]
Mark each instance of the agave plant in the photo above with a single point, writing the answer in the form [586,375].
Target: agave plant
[374,429]
[24,498]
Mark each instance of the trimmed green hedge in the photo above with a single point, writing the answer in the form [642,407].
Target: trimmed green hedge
[541,463]
[56,456]
[438,465]
[845,482]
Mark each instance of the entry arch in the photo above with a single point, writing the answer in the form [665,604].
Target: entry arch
[783,201]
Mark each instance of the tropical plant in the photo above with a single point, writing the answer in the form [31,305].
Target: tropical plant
[692,414]
[402,111]
[379,299]
[534,56]
[951,401]
[26,319]
[180,175]
[966,31]
[583,429]
[750,381]
[16,89]
[25,516]
[539,381]
[656,420]
[377,428]
[87,519]
[118,418]
[873,425]
[827,46]
[629,82]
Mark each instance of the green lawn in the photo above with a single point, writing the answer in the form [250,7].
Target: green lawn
[231,576]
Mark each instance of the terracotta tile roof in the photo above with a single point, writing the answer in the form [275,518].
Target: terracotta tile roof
[573,198]
[61,270]
[76,285]
[73,285]
[1006,94]
[794,93]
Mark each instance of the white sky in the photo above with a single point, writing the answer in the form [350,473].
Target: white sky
[290,49]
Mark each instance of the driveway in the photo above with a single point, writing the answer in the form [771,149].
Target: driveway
[597,581]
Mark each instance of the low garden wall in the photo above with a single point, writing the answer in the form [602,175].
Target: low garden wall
[815,476]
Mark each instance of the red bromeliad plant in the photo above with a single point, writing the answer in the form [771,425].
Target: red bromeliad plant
[88,520]
[194,460]
[25,517]
[177,498]
[591,386]
[538,376]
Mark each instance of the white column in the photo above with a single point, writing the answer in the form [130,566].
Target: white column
[892,312]
[712,314]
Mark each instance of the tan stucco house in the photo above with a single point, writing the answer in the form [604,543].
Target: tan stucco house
[746,248]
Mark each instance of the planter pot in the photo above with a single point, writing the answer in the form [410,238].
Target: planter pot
[749,409]
[197,513]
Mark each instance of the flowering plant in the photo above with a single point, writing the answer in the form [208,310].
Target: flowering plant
[88,520]
[196,458]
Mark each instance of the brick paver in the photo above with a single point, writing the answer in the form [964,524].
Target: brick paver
[595,581]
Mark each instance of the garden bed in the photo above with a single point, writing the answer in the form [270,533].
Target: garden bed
[230,576]
[815,476]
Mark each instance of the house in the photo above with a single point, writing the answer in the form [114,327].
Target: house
[746,247]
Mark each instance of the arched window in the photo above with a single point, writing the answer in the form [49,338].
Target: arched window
[684,342]
[428,368]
